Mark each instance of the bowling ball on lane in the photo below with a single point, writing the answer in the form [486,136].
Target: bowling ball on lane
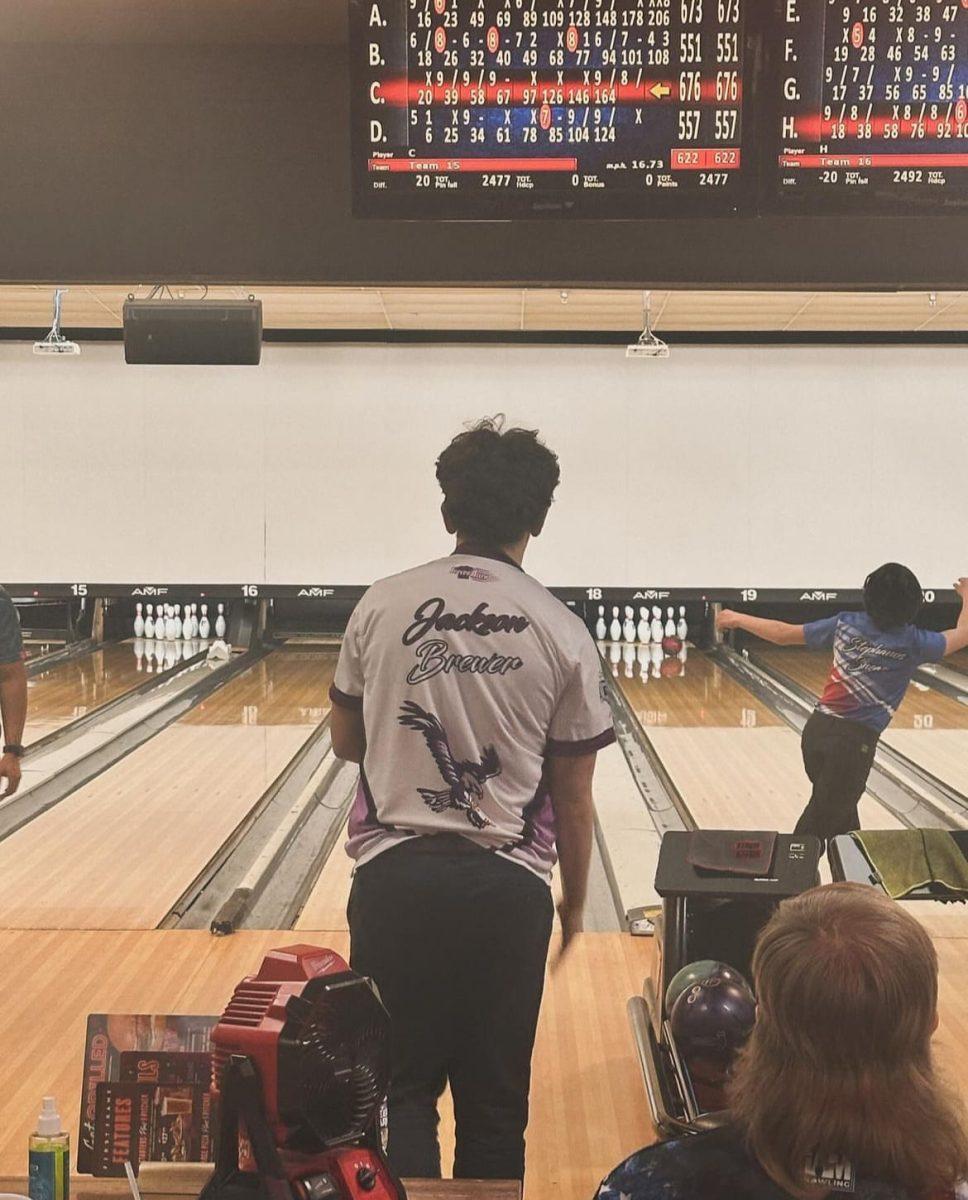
[671,668]
[711,1020]
[671,646]
[696,971]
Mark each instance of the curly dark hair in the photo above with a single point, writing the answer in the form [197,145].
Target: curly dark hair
[892,596]
[498,483]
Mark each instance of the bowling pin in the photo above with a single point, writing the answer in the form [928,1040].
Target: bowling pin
[644,631]
[160,625]
[682,629]
[615,629]
[149,623]
[139,624]
[178,622]
[169,623]
[628,655]
[194,620]
[601,629]
[220,622]
[656,624]
[628,629]
[615,654]
[204,628]
[670,625]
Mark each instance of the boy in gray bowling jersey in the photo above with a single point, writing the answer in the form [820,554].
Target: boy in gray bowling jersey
[483,706]
[13,694]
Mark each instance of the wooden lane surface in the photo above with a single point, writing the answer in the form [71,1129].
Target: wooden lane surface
[119,851]
[325,907]
[929,728]
[736,764]
[959,661]
[588,1105]
[73,688]
[34,649]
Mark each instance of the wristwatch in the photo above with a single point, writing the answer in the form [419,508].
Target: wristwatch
[14,748]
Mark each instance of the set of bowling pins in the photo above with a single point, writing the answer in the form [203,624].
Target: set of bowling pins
[645,631]
[169,625]
[649,656]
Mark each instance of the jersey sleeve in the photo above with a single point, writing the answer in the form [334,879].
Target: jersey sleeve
[347,688]
[819,635]
[582,722]
[929,646]
[11,640]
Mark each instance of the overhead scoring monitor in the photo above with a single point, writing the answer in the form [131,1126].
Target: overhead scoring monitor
[466,109]
[873,103]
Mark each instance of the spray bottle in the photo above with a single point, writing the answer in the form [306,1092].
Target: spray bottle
[50,1156]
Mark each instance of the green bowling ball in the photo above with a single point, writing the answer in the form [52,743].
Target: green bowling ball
[694,972]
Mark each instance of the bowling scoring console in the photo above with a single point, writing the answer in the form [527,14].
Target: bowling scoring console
[633,109]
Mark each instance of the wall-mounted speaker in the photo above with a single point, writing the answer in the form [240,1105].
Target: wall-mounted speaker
[219,332]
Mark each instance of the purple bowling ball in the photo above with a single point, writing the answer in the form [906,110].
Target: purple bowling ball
[712,1019]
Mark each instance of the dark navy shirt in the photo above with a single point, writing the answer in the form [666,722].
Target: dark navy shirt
[872,667]
[717,1166]
[11,643]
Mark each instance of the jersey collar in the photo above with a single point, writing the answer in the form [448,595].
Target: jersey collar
[484,552]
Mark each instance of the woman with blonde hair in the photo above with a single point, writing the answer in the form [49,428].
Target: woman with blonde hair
[836,1092]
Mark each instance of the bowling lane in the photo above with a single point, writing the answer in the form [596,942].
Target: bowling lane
[736,764]
[118,852]
[958,660]
[325,906]
[35,649]
[930,728]
[71,689]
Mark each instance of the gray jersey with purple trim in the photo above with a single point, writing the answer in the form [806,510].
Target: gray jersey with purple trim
[469,675]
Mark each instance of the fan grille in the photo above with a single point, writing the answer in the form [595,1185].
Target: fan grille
[339,1053]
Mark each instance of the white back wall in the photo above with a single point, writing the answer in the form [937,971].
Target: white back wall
[760,467]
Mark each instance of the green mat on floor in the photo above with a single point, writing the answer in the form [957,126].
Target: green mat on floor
[908,859]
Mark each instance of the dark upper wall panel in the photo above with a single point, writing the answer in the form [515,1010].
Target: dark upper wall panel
[208,139]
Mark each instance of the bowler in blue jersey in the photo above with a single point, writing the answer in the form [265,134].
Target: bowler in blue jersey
[876,652]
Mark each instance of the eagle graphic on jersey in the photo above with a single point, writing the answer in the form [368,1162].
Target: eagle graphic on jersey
[465,780]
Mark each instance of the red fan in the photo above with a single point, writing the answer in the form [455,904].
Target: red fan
[302,1066]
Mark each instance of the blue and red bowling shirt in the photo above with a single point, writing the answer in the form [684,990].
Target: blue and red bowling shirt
[872,667]
[718,1166]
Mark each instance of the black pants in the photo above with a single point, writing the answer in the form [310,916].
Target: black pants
[456,939]
[838,756]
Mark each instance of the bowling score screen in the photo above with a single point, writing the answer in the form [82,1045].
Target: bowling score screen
[497,109]
[872,104]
